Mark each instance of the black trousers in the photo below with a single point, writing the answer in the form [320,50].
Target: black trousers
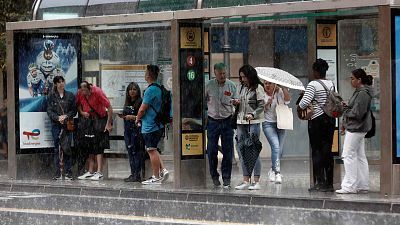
[320,132]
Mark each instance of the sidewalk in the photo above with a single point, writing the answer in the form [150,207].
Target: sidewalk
[295,184]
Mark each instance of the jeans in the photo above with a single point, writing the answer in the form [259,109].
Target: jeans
[133,146]
[55,131]
[215,129]
[356,174]
[320,132]
[241,130]
[276,138]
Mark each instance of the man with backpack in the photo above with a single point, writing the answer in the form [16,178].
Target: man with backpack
[152,118]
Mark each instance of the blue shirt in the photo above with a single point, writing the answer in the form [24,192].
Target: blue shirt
[152,97]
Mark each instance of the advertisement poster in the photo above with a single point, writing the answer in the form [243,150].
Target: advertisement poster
[41,57]
[396,82]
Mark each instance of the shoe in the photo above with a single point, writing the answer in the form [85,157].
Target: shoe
[362,191]
[255,186]
[278,178]
[315,188]
[96,176]
[328,188]
[164,174]
[243,185]
[216,182]
[85,176]
[131,178]
[68,176]
[343,191]
[226,184]
[271,175]
[57,177]
[152,180]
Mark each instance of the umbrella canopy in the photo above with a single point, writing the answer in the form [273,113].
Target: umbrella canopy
[280,77]
[249,147]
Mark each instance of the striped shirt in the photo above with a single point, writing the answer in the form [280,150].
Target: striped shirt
[316,95]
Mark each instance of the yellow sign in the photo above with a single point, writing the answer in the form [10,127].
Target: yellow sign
[335,144]
[191,37]
[192,144]
[326,35]
[206,48]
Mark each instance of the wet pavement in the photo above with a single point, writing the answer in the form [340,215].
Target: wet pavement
[113,201]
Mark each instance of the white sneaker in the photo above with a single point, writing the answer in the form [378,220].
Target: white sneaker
[242,186]
[164,174]
[271,176]
[278,178]
[96,176]
[255,186]
[152,180]
[343,191]
[86,176]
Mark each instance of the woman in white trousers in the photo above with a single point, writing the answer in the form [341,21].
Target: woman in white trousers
[357,122]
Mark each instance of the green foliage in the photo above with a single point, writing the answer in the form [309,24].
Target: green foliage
[11,11]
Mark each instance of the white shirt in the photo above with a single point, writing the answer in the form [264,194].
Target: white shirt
[270,112]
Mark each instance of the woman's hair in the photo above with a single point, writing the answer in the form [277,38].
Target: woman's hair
[56,80]
[128,99]
[362,75]
[154,70]
[251,75]
[85,84]
[320,66]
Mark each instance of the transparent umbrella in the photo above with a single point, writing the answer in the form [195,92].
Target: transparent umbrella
[280,77]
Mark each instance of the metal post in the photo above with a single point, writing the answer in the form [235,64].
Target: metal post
[227,47]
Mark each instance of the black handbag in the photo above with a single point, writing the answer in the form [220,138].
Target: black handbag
[371,132]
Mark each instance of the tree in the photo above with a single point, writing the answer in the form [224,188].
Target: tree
[11,11]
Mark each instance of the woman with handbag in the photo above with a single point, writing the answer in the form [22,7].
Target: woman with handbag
[132,136]
[320,128]
[275,95]
[357,122]
[61,108]
[250,116]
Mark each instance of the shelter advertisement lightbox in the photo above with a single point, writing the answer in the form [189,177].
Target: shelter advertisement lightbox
[396,85]
[39,58]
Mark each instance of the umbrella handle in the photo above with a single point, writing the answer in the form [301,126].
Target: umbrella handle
[249,127]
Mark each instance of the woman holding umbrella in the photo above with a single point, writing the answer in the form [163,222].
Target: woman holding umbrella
[250,115]
[275,95]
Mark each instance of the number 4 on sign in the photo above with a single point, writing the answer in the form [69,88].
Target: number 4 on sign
[190,61]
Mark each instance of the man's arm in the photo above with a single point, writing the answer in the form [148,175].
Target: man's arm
[142,110]
[109,124]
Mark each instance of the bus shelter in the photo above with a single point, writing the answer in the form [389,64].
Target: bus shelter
[109,44]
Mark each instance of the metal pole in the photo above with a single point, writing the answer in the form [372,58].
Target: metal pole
[226,47]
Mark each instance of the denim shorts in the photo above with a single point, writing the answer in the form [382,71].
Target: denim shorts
[152,139]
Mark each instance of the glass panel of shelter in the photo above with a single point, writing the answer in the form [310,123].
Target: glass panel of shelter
[359,48]
[106,7]
[121,57]
[273,44]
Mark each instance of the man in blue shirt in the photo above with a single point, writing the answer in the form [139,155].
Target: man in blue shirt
[151,130]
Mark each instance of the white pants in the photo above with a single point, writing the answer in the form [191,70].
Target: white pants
[356,175]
